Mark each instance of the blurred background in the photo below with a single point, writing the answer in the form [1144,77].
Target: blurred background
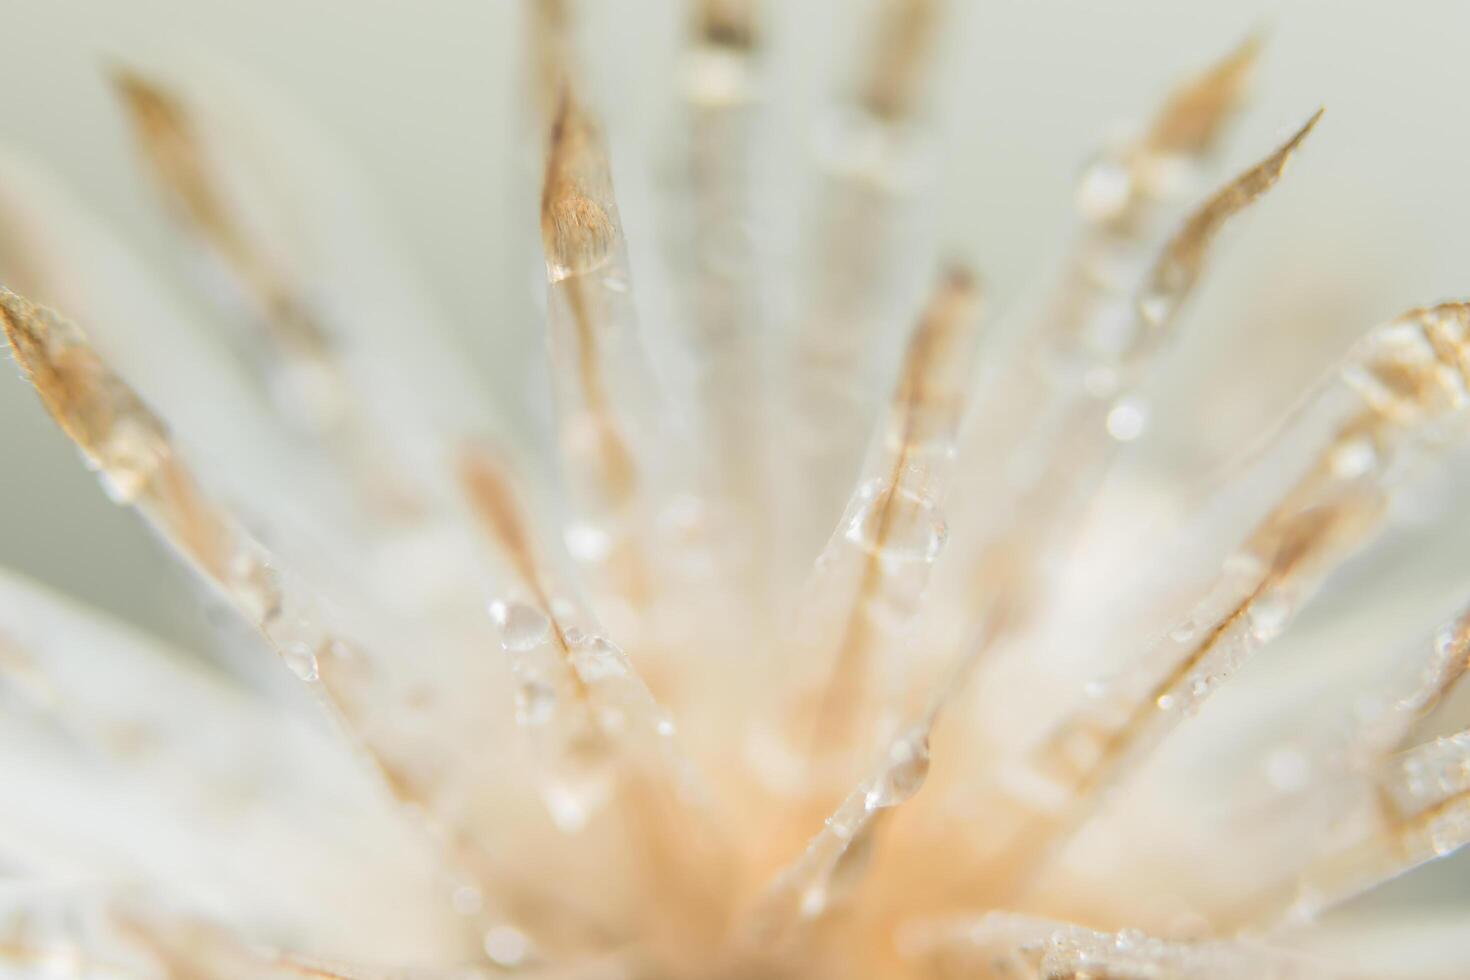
[427,97]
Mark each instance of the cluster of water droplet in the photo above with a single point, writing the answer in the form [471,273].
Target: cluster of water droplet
[1430,774]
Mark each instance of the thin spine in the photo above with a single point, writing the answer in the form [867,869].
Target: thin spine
[1004,576]
[550,41]
[878,562]
[1447,664]
[834,862]
[1415,799]
[726,341]
[1074,365]
[1177,267]
[302,355]
[1120,199]
[833,865]
[596,359]
[857,270]
[51,958]
[129,448]
[891,84]
[52,248]
[733,24]
[603,735]
[595,691]
[553,704]
[1004,609]
[914,454]
[1020,945]
[1402,390]
[1422,815]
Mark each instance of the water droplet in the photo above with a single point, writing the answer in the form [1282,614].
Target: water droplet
[1104,189]
[906,767]
[578,784]
[254,587]
[1353,459]
[587,542]
[850,867]
[1268,616]
[301,659]
[814,901]
[841,829]
[522,627]
[1156,307]
[666,727]
[1184,632]
[507,946]
[718,76]
[596,659]
[129,458]
[1129,939]
[899,526]
[855,143]
[1167,702]
[1127,419]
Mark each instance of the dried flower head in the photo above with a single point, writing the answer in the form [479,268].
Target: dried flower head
[774,689]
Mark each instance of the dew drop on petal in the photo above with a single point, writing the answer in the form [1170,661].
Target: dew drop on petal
[896,525]
[522,627]
[129,458]
[1104,189]
[1353,458]
[1184,632]
[814,900]
[595,658]
[903,773]
[577,786]
[254,587]
[506,946]
[300,658]
[1268,616]
[1127,419]
[587,542]
[1156,306]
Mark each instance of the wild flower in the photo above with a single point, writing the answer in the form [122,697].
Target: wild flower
[763,683]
